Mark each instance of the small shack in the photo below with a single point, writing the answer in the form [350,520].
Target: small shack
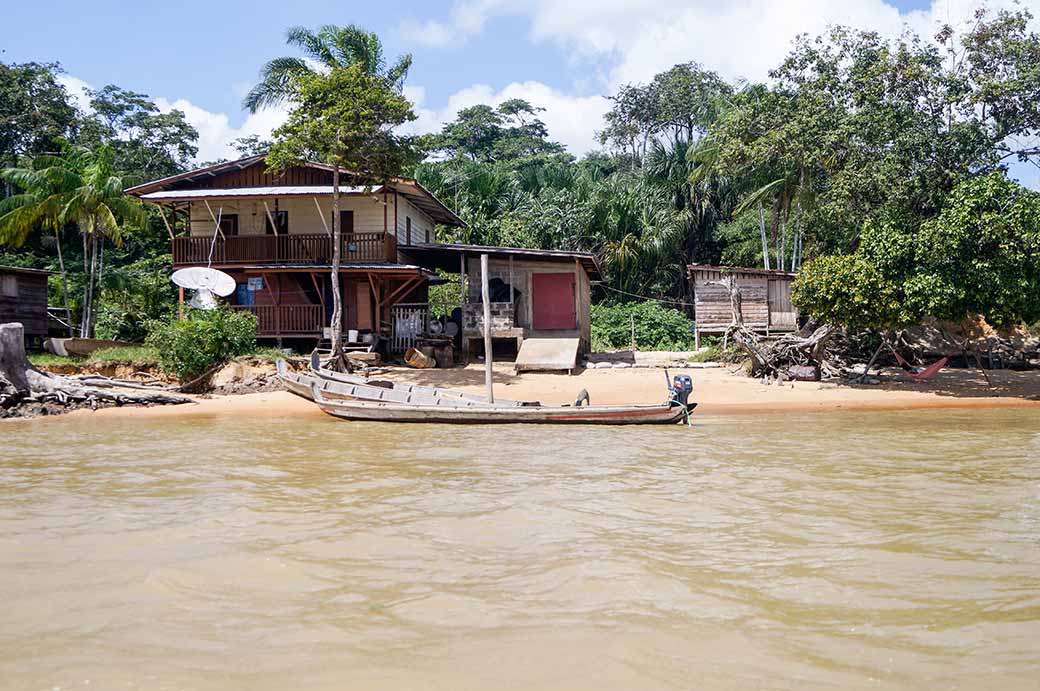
[765,298]
[534,294]
[23,298]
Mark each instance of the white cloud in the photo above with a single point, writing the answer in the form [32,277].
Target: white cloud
[427,33]
[742,39]
[467,18]
[215,129]
[77,90]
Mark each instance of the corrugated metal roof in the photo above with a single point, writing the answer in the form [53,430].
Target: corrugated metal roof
[255,192]
[22,270]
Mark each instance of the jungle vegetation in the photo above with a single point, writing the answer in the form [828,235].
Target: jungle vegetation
[878,168]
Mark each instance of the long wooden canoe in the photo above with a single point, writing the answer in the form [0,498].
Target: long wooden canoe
[447,412]
[339,386]
[416,391]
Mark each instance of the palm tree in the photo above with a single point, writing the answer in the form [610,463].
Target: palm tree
[330,48]
[78,186]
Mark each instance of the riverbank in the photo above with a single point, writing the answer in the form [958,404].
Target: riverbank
[716,390]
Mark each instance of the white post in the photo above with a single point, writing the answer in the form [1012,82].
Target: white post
[485,293]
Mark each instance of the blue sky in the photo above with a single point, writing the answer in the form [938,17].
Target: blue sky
[564,56]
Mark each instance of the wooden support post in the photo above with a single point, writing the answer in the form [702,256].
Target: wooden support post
[462,279]
[270,218]
[162,213]
[216,220]
[485,293]
[321,215]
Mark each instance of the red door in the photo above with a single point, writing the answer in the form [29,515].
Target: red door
[553,301]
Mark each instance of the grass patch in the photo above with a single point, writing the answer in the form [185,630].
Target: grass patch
[139,355]
[708,355]
[269,354]
[51,360]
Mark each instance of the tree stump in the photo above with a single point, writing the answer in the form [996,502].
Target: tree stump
[21,383]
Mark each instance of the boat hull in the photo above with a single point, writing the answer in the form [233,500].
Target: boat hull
[585,415]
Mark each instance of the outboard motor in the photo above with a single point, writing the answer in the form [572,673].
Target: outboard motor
[680,387]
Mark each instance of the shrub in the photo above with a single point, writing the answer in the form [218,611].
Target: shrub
[190,346]
[656,327]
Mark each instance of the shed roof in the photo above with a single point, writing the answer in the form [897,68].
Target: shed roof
[22,270]
[446,257]
[772,273]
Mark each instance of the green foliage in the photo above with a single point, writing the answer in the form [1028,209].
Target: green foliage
[150,143]
[136,355]
[979,256]
[347,117]
[190,346]
[34,110]
[656,327]
[510,132]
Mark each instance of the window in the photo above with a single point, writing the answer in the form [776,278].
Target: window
[9,286]
[427,236]
[281,218]
[229,224]
[407,230]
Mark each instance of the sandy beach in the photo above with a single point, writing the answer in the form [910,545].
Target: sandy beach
[717,392]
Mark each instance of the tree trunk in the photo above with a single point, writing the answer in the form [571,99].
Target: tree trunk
[21,383]
[337,299]
[88,291]
[782,250]
[64,281]
[762,232]
[873,358]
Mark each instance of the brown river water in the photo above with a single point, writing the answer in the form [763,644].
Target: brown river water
[880,550]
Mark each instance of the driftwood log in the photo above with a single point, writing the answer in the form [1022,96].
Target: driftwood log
[776,357]
[21,383]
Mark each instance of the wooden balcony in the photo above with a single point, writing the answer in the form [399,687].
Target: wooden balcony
[286,320]
[299,248]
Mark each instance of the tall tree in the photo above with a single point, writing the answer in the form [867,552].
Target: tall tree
[34,110]
[346,118]
[145,142]
[350,61]
[78,186]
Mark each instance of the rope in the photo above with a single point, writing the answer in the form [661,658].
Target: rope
[647,297]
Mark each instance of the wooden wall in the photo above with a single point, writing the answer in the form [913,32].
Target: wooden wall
[256,175]
[765,299]
[523,269]
[29,305]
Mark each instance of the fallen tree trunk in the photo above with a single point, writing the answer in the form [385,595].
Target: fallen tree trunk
[775,358]
[21,383]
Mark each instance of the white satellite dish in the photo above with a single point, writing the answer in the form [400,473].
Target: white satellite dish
[207,284]
[201,278]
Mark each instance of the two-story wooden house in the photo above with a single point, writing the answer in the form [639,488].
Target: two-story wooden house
[273,234]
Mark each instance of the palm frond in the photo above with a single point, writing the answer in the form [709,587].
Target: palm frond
[278,81]
[312,44]
[758,195]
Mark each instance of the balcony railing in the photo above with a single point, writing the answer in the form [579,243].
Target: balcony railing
[302,249]
[286,320]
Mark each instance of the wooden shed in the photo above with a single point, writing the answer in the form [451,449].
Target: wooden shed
[535,294]
[23,298]
[765,298]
